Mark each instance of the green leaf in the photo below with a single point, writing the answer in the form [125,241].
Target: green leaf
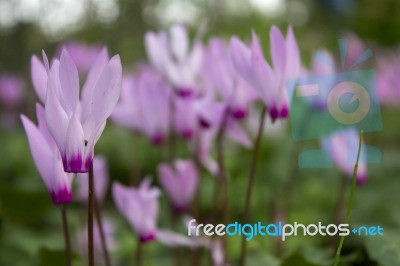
[385,249]
[48,257]
[21,205]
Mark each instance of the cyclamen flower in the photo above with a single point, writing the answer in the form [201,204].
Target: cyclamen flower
[220,74]
[180,182]
[100,169]
[140,207]
[342,148]
[169,52]
[76,124]
[251,64]
[48,159]
[145,105]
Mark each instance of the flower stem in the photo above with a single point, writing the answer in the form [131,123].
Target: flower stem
[139,253]
[250,183]
[221,187]
[66,234]
[90,215]
[351,199]
[99,220]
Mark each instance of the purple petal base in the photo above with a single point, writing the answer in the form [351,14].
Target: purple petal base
[284,112]
[187,134]
[361,180]
[62,196]
[239,113]
[204,123]
[148,237]
[273,113]
[157,139]
[180,208]
[185,92]
[75,164]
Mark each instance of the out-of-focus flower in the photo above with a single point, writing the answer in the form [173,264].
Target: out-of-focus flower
[82,54]
[109,235]
[171,54]
[11,90]
[180,182]
[388,79]
[145,105]
[251,64]
[342,148]
[220,74]
[76,124]
[48,159]
[140,207]
[100,169]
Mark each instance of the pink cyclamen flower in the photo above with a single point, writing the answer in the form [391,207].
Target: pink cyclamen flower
[342,148]
[145,105]
[48,159]
[171,54]
[76,122]
[180,182]
[140,207]
[100,169]
[270,82]
[11,90]
[82,54]
[220,74]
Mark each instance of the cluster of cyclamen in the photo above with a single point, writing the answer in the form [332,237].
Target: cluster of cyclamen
[190,90]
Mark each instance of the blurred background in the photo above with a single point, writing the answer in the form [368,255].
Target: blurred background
[30,229]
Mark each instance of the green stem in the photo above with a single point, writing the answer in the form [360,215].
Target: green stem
[139,253]
[66,235]
[351,199]
[250,183]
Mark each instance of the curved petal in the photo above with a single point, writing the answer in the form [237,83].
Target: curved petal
[42,125]
[157,49]
[89,150]
[75,146]
[240,55]
[107,90]
[57,120]
[41,152]
[69,81]
[93,75]
[292,55]
[278,50]
[39,78]
[179,42]
[188,176]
